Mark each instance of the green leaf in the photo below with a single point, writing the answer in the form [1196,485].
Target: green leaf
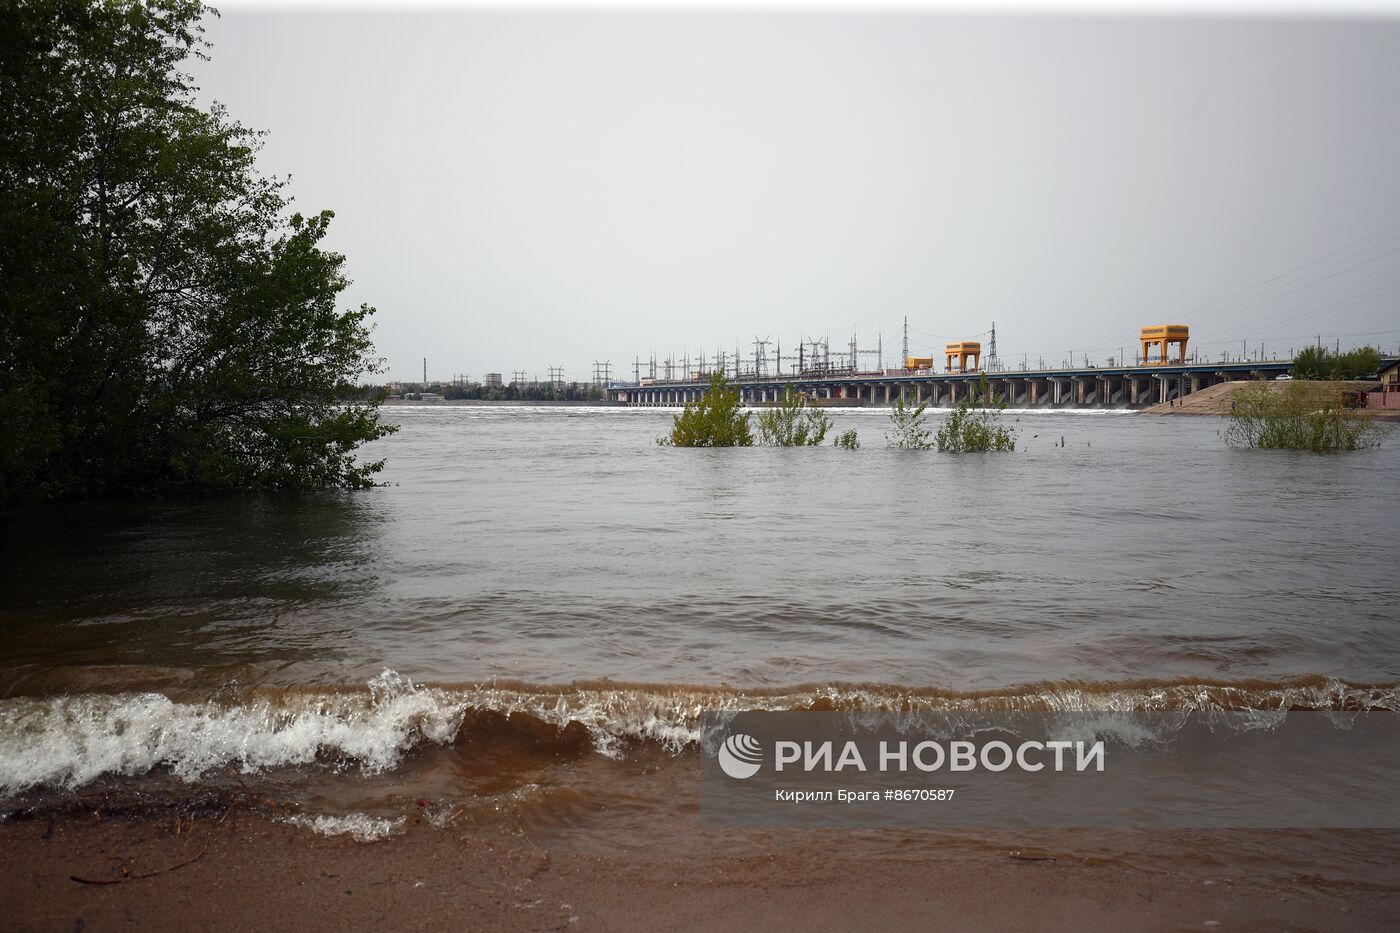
[713,420]
[165,320]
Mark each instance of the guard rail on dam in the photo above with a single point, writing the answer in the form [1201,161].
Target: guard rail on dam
[1089,387]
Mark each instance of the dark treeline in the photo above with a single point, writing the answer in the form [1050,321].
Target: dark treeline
[166,320]
[529,392]
[1322,363]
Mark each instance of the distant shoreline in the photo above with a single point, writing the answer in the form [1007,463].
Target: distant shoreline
[497,403]
[1215,401]
[1212,402]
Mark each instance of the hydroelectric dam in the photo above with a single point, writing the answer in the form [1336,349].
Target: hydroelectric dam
[1136,386]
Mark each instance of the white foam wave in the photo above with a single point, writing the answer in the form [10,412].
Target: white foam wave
[70,741]
[360,826]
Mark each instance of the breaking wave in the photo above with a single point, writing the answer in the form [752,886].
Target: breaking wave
[69,741]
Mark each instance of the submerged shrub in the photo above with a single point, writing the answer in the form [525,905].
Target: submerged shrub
[712,420]
[847,440]
[793,423]
[975,426]
[907,429]
[1299,415]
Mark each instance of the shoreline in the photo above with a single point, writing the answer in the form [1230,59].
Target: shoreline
[1214,402]
[244,870]
[498,403]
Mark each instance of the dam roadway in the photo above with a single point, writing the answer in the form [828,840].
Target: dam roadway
[1085,387]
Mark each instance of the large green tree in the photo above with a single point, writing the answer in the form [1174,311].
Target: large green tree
[1321,363]
[165,320]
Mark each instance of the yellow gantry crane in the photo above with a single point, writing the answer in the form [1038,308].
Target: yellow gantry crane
[962,351]
[1160,336]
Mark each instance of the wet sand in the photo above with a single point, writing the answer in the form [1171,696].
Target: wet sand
[249,872]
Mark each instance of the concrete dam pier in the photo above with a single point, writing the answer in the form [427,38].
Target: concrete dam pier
[1089,387]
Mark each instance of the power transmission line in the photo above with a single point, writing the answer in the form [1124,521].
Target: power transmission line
[1246,301]
[1305,265]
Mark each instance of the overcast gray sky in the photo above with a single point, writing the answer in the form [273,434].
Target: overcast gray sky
[520,189]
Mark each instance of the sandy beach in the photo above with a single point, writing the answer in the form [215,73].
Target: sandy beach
[241,870]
